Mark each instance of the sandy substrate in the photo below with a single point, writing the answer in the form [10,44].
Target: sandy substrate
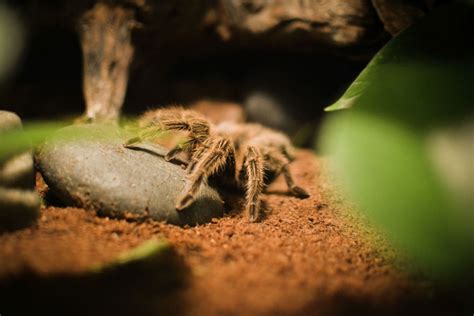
[307,257]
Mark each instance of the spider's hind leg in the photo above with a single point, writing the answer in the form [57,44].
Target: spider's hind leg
[296,190]
[254,181]
[278,159]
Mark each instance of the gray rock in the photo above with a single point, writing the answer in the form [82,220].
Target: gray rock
[93,170]
[18,172]
[19,202]
[18,208]
[9,121]
[291,98]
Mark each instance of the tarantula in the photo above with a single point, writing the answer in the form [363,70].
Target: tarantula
[249,154]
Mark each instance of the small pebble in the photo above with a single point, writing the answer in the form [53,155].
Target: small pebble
[19,202]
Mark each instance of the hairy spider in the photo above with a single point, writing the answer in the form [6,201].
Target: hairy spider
[247,155]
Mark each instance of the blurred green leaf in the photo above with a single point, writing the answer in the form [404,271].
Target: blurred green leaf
[386,169]
[429,65]
[32,134]
[399,150]
[143,252]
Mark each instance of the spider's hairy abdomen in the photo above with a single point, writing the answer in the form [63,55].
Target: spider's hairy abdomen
[264,138]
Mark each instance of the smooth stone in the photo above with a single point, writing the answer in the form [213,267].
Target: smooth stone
[19,202]
[18,208]
[9,121]
[94,171]
[18,172]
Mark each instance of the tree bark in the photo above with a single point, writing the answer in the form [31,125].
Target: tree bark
[105,33]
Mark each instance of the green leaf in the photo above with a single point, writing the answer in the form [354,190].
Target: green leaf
[149,249]
[387,169]
[32,134]
[144,250]
[429,65]
[403,148]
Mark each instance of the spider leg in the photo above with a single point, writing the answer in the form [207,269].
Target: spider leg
[173,153]
[204,164]
[132,141]
[197,155]
[171,119]
[281,160]
[178,119]
[142,135]
[296,190]
[254,182]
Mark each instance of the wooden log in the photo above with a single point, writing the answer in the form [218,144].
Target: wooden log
[105,34]
[329,23]
[177,30]
[396,15]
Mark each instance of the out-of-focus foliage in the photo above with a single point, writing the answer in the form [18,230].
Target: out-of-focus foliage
[11,40]
[32,134]
[143,252]
[404,149]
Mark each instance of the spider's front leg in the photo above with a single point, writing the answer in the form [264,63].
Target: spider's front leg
[170,155]
[142,135]
[254,181]
[172,119]
[205,162]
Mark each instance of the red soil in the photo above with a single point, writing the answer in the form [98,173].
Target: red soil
[306,257]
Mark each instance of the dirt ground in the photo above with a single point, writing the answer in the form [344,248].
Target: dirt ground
[307,257]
